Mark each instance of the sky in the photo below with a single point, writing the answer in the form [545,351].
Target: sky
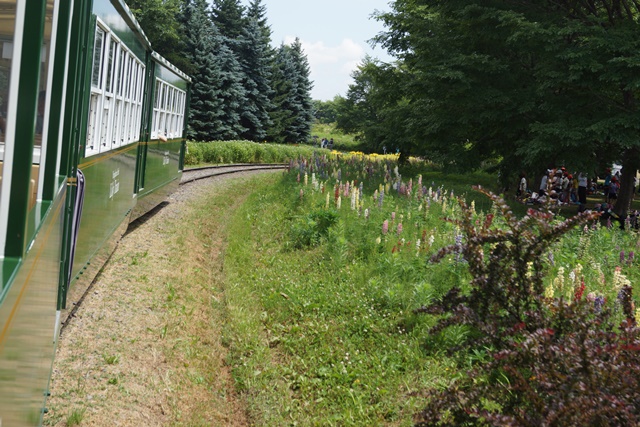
[334,35]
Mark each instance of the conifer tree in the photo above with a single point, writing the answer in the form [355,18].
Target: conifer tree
[258,12]
[205,109]
[255,62]
[284,109]
[304,116]
[228,17]
[216,92]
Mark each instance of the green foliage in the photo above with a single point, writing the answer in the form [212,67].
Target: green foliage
[159,19]
[523,84]
[336,332]
[310,229]
[552,358]
[341,140]
[225,152]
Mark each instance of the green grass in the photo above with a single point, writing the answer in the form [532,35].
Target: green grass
[75,417]
[321,329]
[341,140]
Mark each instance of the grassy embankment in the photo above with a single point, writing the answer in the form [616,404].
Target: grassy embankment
[321,328]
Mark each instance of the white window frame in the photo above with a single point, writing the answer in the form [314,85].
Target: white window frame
[167,112]
[115,115]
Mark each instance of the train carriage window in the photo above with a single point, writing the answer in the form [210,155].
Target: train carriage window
[98,47]
[7,25]
[117,75]
[167,111]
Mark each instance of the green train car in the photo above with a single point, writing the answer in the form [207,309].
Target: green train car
[92,125]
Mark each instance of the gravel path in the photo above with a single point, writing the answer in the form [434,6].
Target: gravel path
[144,347]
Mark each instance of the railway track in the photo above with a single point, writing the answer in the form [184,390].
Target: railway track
[194,174]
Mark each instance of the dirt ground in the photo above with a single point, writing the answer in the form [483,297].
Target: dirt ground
[144,348]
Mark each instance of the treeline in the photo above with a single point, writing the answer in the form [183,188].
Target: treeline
[242,87]
[516,85]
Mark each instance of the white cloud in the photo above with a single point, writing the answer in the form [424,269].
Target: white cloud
[331,66]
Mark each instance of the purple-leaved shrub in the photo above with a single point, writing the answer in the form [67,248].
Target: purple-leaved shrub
[553,362]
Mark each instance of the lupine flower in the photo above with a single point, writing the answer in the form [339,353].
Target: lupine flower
[399,231]
[632,255]
[598,303]
[339,202]
[621,257]
[579,291]
[549,291]
[326,205]
[366,213]
[306,179]
[378,240]
[381,199]
[385,227]
[432,239]
[298,178]
[393,216]
[551,260]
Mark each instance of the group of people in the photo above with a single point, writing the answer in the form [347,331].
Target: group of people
[559,186]
[326,143]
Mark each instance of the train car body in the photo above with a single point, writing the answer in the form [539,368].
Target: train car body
[91,135]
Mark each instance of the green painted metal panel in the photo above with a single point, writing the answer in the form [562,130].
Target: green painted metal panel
[108,200]
[25,129]
[115,20]
[28,319]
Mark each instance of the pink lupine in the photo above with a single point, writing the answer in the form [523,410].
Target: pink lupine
[385,227]
[399,231]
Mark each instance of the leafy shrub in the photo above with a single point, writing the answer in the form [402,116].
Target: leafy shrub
[553,361]
[310,229]
[225,152]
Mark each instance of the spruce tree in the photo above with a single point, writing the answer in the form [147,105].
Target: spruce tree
[283,114]
[216,93]
[205,112]
[258,12]
[304,116]
[228,17]
[255,62]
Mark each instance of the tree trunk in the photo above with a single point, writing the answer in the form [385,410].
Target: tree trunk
[630,166]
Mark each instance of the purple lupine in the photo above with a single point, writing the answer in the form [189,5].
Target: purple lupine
[632,255]
[598,303]
[458,247]
[381,199]
[621,257]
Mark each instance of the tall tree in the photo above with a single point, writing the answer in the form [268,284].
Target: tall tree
[302,95]
[522,82]
[255,62]
[258,12]
[285,103]
[216,92]
[228,17]
[159,20]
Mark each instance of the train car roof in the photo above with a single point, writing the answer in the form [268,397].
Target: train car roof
[170,66]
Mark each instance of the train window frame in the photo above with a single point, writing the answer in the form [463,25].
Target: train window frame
[114,119]
[165,120]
